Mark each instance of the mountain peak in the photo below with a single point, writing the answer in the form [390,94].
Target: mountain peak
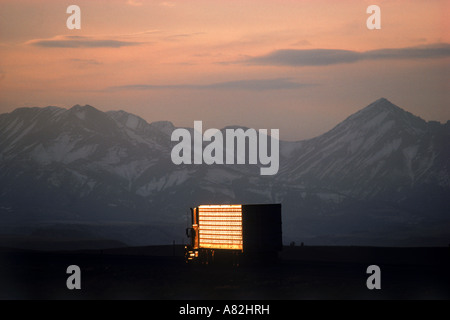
[383,110]
[382,103]
[382,100]
[84,112]
[379,120]
[78,107]
[163,124]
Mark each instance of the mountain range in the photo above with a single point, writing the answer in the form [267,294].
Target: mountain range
[380,177]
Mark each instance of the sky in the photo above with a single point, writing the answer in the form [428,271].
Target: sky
[297,66]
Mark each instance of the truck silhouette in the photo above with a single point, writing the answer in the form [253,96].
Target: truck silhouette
[234,231]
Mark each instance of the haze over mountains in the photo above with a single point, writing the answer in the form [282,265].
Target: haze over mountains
[380,177]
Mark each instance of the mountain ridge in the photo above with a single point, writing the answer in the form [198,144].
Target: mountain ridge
[382,168]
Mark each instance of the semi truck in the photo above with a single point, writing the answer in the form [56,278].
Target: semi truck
[237,232]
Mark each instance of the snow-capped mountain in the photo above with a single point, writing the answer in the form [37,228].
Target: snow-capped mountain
[380,151]
[379,177]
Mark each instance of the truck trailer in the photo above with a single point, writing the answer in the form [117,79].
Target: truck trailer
[236,231]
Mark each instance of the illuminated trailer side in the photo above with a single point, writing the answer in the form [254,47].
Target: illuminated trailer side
[220,227]
[237,229]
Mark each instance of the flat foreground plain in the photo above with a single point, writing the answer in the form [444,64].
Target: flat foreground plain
[159,272]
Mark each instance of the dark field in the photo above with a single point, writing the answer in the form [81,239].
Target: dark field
[160,273]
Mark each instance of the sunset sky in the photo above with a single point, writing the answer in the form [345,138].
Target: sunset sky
[254,63]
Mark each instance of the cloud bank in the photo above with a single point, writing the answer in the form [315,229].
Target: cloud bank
[324,57]
[81,42]
[251,85]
